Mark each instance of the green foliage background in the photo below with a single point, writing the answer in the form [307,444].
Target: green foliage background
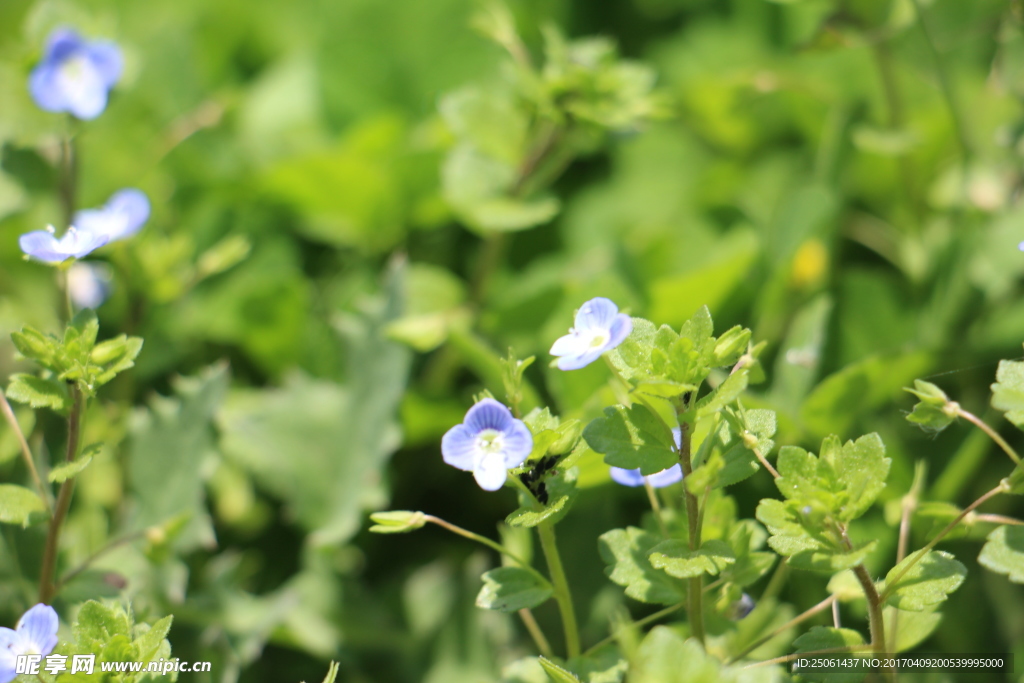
[319,303]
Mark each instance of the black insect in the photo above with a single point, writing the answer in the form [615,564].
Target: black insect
[534,479]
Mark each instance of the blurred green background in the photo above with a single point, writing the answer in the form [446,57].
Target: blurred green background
[322,290]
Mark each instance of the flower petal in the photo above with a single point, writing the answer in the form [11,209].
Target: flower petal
[488,414]
[571,344]
[61,44]
[490,472]
[627,477]
[39,627]
[84,89]
[106,57]
[579,361]
[42,245]
[597,313]
[133,205]
[45,90]
[518,444]
[673,475]
[621,326]
[458,447]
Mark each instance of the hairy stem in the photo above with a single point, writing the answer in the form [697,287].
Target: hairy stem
[695,585]
[992,434]
[875,622]
[47,584]
[563,596]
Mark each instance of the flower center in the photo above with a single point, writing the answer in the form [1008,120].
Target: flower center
[598,340]
[73,70]
[490,441]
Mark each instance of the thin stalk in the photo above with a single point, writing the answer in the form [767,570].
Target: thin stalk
[764,462]
[563,596]
[992,434]
[47,585]
[465,533]
[656,506]
[908,504]
[942,534]
[695,590]
[98,554]
[68,179]
[836,621]
[649,619]
[798,619]
[26,452]
[997,519]
[543,646]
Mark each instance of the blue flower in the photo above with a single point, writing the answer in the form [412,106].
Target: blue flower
[75,76]
[122,215]
[488,443]
[35,634]
[658,480]
[43,245]
[599,327]
[741,608]
[88,284]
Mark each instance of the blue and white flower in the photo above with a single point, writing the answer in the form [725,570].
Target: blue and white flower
[667,477]
[35,634]
[122,216]
[88,284]
[488,443]
[599,327]
[45,246]
[75,75]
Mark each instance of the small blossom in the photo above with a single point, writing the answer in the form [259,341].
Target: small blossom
[88,284]
[742,607]
[599,327]
[44,245]
[488,443]
[75,75]
[122,216]
[35,634]
[667,477]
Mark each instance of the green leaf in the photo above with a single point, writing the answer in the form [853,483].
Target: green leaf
[934,412]
[605,665]
[34,345]
[630,438]
[1008,391]
[509,589]
[725,393]
[825,638]
[796,535]
[625,552]
[664,657]
[676,559]
[828,560]
[928,582]
[61,473]
[554,511]
[556,673]
[1003,552]
[38,392]
[114,356]
[730,346]
[911,628]
[18,504]
[397,522]
[862,469]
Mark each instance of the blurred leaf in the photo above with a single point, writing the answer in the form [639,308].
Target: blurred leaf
[1008,391]
[1003,552]
[928,582]
[18,504]
[68,470]
[625,552]
[826,638]
[676,559]
[911,628]
[510,589]
[934,412]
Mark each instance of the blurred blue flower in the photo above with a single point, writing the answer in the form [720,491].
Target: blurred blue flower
[122,216]
[488,443]
[742,607]
[75,75]
[599,327]
[88,284]
[44,245]
[35,634]
[658,480]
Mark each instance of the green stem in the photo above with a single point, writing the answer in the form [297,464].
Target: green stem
[875,622]
[992,434]
[539,639]
[649,619]
[1002,488]
[47,584]
[696,584]
[563,596]
[820,607]
[483,540]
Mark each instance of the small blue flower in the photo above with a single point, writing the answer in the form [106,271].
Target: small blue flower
[35,634]
[488,443]
[742,607]
[75,75]
[658,480]
[122,216]
[599,327]
[88,284]
[43,245]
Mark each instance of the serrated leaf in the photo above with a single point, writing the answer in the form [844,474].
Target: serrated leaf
[61,473]
[509,589]
[676,559]
[828,560]
[38,392]
[862,469]
[1003,552]
[18,504]
[928,582]
[625,552]
[556,673]
[1008,391]
[630,438]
